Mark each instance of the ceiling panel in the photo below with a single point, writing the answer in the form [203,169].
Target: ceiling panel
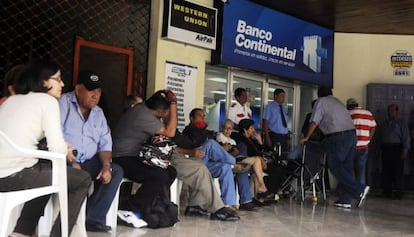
[352,16]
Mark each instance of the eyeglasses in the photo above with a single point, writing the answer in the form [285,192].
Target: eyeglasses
[58,79]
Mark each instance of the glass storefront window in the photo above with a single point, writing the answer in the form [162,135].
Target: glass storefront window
[307,95]
[219,89]
[254,96]
[215,92]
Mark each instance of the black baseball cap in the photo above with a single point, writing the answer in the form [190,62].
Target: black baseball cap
[89,79]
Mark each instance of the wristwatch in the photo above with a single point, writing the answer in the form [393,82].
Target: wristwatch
[108,165]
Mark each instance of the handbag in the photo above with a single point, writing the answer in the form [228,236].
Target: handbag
[157,151]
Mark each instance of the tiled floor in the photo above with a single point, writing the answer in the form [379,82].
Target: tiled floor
[379,217]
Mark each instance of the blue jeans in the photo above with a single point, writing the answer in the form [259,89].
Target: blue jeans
[243,182]
[243,185]
[219,162]
[360,165]
[340,152]
[103,194]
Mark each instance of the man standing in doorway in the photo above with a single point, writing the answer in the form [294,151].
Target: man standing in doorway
[239,109]
[275,121]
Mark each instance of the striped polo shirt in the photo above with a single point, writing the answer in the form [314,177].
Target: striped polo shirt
[364,122]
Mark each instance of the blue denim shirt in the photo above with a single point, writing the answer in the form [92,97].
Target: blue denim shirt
[88,137]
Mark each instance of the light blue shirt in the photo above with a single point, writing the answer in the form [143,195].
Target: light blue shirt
[395,131]
[272,114]
[331,115]
[88,137]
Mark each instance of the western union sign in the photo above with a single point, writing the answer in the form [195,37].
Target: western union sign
[190,23]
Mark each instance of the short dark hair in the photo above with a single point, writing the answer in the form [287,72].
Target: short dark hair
[129,101]
[391,106]
[238,92]
[34,74]
[245,124]
[194,111]
[324,91]
[278,91]
[159,100]
[11,77]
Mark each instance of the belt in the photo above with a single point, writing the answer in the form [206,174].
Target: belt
[339,133]
[278,134]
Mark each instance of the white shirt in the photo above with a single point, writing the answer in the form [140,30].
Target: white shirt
[238,112]
[26,119]
[223,139]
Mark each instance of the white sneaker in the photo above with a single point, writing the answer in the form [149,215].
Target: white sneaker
[363,196]
[342,205]
[130,218]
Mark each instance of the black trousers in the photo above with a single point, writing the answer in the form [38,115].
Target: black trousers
[40,175]
[280,138]
[392,168]
[154,180]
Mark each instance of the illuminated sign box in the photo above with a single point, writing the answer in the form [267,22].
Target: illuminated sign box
[262,39]
[190,23]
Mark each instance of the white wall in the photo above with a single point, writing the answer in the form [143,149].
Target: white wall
[162,50]
[360,59]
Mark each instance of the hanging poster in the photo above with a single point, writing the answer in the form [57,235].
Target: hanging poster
[401,61]
[181,79]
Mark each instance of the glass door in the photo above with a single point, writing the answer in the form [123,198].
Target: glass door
[215,96]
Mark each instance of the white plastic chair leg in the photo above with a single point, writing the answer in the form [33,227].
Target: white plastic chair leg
[79,229]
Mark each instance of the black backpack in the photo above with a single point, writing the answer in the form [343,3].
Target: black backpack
[161,213]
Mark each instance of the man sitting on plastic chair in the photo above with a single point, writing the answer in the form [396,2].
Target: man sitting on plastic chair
[218,161]
[85,127]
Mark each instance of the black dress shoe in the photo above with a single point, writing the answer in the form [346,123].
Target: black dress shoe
[247,206]
[265,195]
[97,227]
[195,211]
[259,203]
[223,215]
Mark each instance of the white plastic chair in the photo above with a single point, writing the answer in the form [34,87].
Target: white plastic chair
[112,215]
[12,199]
[79,230]
[51,212]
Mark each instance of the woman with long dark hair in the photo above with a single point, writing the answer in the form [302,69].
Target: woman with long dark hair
[26,118]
